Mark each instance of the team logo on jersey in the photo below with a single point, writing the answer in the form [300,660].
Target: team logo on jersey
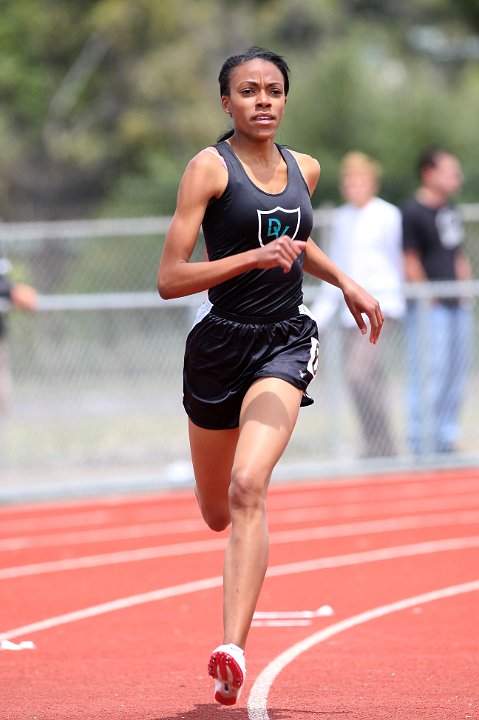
[273,224]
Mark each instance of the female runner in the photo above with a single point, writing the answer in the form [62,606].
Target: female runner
[254,347]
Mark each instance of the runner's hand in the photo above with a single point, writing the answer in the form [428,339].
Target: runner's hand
[361,302]
[280,253]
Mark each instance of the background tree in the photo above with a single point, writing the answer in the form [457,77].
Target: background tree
[103,101]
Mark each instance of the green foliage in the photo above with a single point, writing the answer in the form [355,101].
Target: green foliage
[468,10]
[362,94]
[104,101]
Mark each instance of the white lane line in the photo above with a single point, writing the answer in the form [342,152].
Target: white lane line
[280,500]
[95,517]
[299,622]
[409,522]
[114,558]
[158,529]
[364,527]
[323,611]
[356,496]
[120,604]
[126,532]
[390,553]
[457,478]
[90,519]
[282,618]
[345,510]
[274,571]
[258,697]
[104,500]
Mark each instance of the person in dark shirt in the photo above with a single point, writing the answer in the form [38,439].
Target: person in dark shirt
[254,347]
[438,330]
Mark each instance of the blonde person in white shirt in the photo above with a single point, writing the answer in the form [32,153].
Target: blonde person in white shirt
[366,241]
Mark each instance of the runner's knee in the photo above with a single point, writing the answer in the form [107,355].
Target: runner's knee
[216,522]
[246,490]
[215,517]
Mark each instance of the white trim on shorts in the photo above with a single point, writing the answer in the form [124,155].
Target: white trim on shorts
[207,306]
[202,312]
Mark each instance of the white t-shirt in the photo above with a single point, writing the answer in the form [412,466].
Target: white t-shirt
[366,243]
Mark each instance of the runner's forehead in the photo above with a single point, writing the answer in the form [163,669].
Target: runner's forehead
[257,71]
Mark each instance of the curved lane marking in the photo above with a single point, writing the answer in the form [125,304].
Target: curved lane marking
[275,571]
[258,697]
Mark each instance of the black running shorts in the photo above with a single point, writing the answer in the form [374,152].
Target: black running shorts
[225,354]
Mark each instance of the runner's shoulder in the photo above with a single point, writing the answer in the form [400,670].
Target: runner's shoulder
[309,166]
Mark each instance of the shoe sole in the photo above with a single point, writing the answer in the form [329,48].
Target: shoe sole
[227,675]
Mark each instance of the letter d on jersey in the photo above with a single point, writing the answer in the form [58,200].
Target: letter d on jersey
[275,223]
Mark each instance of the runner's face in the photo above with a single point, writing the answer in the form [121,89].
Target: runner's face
[256,100]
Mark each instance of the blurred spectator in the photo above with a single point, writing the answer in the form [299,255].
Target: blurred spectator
[438,330]
[366,243]
[23,297]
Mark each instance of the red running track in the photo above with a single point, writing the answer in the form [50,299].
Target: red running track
[122,598]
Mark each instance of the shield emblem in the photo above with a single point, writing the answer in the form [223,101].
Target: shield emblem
[273,224]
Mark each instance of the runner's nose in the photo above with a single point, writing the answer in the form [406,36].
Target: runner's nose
[263,99]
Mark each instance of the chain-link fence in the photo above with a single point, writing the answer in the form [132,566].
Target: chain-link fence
[97,370]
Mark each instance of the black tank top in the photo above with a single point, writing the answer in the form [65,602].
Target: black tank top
[246,217]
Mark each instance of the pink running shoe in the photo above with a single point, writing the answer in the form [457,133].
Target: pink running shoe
[228,668]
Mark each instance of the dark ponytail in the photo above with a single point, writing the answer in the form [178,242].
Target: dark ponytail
[226,135]
[251,53]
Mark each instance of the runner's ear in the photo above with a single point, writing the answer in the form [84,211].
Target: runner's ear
[225,103]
